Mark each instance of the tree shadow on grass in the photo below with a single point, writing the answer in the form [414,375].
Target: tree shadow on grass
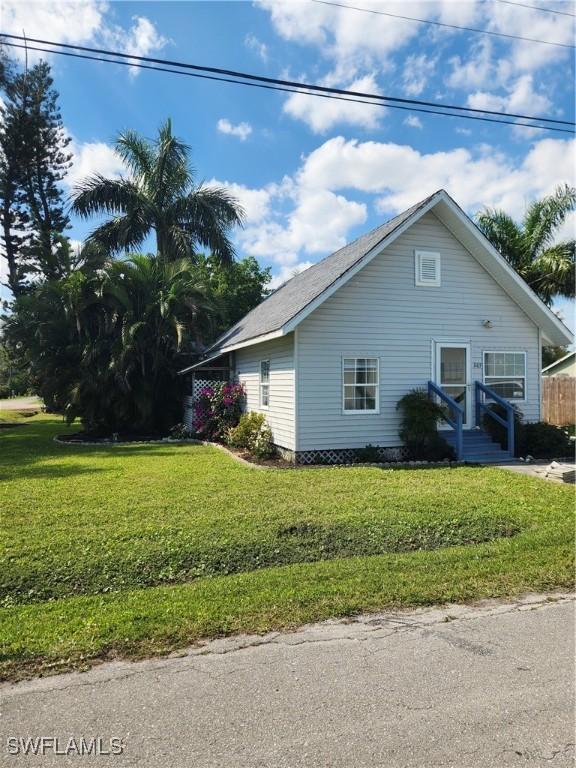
[32,453]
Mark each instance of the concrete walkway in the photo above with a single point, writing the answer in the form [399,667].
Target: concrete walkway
[20,403]
[468,687]
[535,469]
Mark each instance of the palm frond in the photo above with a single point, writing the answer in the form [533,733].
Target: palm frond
[553,272]
[171,174]
[136,153]
[97,195]
[504,234]
[207,214]
[122,232]
[545,216]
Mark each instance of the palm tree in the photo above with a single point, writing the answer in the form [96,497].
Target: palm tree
[143,314]
[547,266]
[158,194]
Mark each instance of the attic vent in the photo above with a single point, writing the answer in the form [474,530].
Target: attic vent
[427,266]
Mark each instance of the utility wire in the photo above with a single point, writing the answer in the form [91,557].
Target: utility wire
[290,90]
[537,8]
[443,24]
[299,87]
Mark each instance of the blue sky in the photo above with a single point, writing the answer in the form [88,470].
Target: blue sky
[314,173]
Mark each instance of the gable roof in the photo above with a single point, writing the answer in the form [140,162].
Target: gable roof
[284,309]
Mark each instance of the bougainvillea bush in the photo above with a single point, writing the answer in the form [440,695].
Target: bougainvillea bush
[217,409]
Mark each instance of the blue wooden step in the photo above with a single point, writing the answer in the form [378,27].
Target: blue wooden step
[478,447]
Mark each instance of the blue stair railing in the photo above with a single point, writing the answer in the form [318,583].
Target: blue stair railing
[483,394]
[455,417]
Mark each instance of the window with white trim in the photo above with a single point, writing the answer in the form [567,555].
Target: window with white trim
[264,383]
[427,268]
[360,384]
[505,373]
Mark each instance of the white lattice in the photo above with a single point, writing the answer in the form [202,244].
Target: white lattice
[197,386]
[346,456]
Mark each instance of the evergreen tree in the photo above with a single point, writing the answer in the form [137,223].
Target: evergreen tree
[33,161]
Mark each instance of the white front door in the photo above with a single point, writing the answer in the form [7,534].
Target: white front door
[453,375]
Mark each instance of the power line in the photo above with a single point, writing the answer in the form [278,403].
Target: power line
[299,87]
[443,24]
[292,90]
[536,8]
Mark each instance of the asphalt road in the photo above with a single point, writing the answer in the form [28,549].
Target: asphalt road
[491,685]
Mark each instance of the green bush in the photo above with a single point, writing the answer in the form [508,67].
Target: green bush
[419,427]
[498,432]
[545,441]
[538,439]
[368,455]
[253,434]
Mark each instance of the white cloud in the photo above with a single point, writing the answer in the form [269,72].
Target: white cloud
[241,131]
[141,39]
[254,44]
[418,68]
[92,157]
[413,122]
[80,22]
[68,22]
[284,238]
[255,202]
[287,272]
[322,114]
[307,215]
[359,42]
[349,37]
[520,98]
[401,175]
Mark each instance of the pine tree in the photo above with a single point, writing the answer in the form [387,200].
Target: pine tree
[33,161]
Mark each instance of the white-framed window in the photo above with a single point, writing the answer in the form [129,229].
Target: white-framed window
[427,268]
[360,384]
[264,383]
[505,373]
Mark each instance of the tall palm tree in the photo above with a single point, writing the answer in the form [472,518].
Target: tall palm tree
[547,266]
[159,194]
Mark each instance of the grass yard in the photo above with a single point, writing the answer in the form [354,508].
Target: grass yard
[135,550]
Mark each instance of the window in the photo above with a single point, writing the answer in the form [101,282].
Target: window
[360,384]
[505,373]
[264,383]
[427,266]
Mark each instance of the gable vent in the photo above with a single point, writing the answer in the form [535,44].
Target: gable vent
[427,266]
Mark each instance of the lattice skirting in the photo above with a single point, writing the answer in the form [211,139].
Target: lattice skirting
[344,456]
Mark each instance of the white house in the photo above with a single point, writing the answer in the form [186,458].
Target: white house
[424,300]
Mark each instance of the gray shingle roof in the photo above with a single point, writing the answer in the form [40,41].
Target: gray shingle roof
[295,295]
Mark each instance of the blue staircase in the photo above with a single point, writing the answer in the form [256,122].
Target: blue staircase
[478,447]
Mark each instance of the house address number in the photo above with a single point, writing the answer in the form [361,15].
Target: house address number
[477,365]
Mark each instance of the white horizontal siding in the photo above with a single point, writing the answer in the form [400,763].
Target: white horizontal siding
[381,313]
[280,414]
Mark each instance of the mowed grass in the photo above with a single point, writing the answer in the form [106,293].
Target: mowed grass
[139,549]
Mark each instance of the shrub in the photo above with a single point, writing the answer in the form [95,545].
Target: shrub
[419,427]
[498,432]
[252,434]
[544,441]
[369,455]
[217,409]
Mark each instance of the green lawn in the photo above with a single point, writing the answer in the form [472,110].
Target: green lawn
[134,550]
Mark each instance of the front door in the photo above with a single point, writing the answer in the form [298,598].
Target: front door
[453,375]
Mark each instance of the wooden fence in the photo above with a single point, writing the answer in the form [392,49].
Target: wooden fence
[559,400]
